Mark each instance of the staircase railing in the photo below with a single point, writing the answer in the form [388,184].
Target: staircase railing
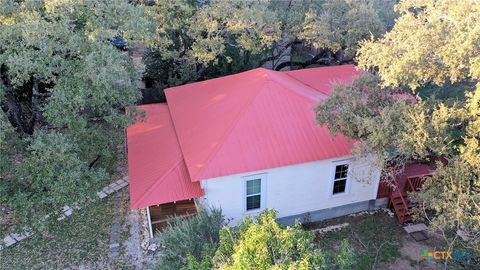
[414,184]
[400,216]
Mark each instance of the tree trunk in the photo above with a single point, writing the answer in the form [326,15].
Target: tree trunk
[36,110]
[13,109]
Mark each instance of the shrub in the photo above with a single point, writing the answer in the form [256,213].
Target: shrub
[191,243]
[262,243]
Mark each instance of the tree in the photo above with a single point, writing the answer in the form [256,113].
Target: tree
[262,243]
[202,40]
[63,90]
[338,26]
[432,42]
[196,39]
[204,242]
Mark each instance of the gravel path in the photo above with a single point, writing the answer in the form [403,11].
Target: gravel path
[133,245]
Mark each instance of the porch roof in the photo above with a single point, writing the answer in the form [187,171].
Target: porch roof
[156,166]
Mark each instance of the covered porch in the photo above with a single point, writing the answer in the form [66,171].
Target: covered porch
[159,216]
[159,179]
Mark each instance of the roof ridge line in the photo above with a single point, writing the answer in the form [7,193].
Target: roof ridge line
[182,158]
[230,129]
[271,77]
[318,90]
[160,180]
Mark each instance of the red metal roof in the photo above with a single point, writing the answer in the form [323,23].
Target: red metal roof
[156,167]
[255,120]
[321,79]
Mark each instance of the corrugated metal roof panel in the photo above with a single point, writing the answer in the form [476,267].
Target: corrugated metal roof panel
[255,120]
[156,167]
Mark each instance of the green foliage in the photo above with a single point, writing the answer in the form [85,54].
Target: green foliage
[432,42]
[424,47]
[368,248]
[191,243]
[195,38]
[52,174]
[264,244]
[63,88]
[345,258]
[456,201]
[200,243]
[210,39]
[340,25]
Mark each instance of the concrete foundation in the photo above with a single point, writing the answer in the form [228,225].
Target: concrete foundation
[334,212]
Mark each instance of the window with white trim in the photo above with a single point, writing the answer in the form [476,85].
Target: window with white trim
[253,194]
[340,179]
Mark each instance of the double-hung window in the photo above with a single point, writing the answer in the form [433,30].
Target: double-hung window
[340,179]
[255,186]
[254,194]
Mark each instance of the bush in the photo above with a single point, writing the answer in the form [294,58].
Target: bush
[191,242]
[258,243]
[262,243]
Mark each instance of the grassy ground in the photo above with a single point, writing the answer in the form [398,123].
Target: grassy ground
[374,239]
[83,238]
[378,241]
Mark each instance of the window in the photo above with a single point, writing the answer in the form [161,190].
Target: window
[340,179]
[254,189]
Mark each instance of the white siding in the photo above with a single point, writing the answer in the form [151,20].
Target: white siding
[293,190]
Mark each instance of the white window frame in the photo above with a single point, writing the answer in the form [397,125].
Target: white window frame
[263,188]
[332,178]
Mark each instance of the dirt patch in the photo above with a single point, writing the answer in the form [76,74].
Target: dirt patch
[412,249]
[401,264]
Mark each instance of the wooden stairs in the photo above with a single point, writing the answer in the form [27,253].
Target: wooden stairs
[400,202]
[402,206]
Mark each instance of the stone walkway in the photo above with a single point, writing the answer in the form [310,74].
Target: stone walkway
[13,238]
[114,247]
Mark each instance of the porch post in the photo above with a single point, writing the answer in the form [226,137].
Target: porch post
[150,231]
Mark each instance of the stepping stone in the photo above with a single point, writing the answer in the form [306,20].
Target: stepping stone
[68,212]
[419,236]
[101,194]
[463,235]
[8,240]
[114,245]
[18,237]
[415,228]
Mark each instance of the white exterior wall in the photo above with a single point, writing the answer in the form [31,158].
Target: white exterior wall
[293,190]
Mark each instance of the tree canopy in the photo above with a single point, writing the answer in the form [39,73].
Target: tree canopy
[431,43]
[204,242]
[200,40]
[63,90]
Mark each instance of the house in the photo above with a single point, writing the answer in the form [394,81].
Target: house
[247,142]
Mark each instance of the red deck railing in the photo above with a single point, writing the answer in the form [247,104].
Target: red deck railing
[414,184]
